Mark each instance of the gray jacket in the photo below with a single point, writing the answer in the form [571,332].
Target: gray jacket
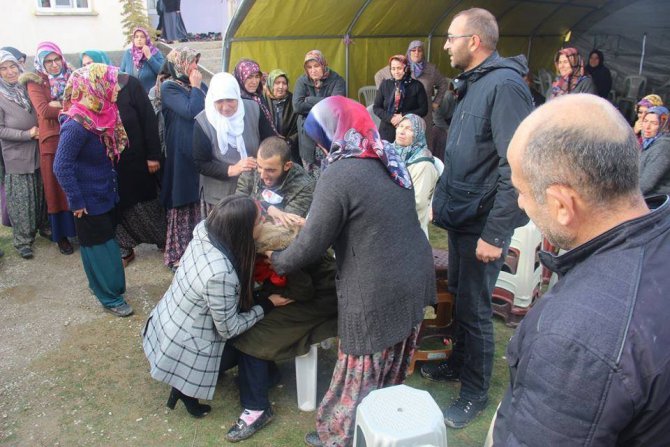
[186,332]
[19,151]
[586,85]
[385,271]
[655,167]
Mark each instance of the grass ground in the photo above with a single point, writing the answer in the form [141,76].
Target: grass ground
[75,376]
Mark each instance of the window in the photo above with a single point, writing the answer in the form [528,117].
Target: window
[63,5]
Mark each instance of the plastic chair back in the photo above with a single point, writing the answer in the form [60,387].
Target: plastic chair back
[366,95]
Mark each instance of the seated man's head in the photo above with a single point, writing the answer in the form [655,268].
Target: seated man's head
[274,161]
[576,175]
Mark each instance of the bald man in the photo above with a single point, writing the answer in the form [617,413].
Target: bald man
[590,362]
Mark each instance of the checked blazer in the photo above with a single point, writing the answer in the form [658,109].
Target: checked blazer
[185,334]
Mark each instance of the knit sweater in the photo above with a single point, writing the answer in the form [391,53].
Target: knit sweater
[84,171]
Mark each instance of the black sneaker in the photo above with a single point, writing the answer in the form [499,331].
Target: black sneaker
[463,411]
[241,430]
[26,252]
[440,372]
[124,310]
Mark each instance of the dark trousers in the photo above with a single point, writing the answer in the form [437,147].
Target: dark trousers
[254,377]
[472,282]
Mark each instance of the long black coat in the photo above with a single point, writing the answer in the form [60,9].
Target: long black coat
[415,101]
[136,184]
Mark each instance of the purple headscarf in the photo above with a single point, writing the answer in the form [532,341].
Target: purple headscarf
[138,55]
[417,67]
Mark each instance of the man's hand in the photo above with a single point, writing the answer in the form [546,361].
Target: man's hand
[285,219]
[278,300]
[486,252]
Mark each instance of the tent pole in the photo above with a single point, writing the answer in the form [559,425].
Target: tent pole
[347,43]
[644,47]
[530,46]
[233,26]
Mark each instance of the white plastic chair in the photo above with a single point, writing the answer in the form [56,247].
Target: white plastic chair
[374,117]
[634,87]
[546,79]
[366,95]
[305,379]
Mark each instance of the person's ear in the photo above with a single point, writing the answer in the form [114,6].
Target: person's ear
[562,204]
[288,165]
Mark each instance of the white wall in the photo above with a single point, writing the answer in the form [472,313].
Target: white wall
[25,28]
[204,16]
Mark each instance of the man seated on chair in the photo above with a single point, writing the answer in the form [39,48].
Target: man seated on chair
[589,362]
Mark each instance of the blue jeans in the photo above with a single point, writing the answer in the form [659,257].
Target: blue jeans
[472,283]
[254,377]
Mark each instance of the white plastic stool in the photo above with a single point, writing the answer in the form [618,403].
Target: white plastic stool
[525,241]
[399,416]
[305,379]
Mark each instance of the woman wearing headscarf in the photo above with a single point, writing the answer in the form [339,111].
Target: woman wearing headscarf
[640,109]
[141,216]
[397,97]
[92,139]
[226,137]
[182,97]
[427,73]
[19,55]
[280,103]
[93,56]
[363,201]
[250,78]
[318,82]
[410,144]
[571,78]
[18,138]
[600,75]
[655,156]
[142,60]
[45,89]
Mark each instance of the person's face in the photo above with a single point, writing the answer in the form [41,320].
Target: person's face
[139,39]
[404,133]
[192,66]
[594,60]
[271,170]
[226,107]
[9,72]
[53,64]
[650,125]
[314,70]
[564,67]
[280,87]
[397,70]
[458,47]
[252,82]
[416,54]
[257,226]
[86,60]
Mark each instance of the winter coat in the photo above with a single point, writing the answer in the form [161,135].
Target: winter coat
[149,71]
[415,101]
[19,149]
[655,167]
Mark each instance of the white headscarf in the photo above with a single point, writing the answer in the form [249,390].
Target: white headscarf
[228,130]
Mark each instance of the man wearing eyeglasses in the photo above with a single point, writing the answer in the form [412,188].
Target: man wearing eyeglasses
[475,201]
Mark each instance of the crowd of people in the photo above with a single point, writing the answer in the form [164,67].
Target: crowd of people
[289,218]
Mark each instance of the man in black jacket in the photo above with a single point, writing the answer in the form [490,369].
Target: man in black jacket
[475,200]
[589,362]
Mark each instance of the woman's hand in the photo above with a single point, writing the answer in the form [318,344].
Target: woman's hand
[79,213]
[195,78]
[56,104]
[34,132]
[395,119]
[278,300]
[153,166]
[244,165]
[285,219]
[637,128]
[146,51]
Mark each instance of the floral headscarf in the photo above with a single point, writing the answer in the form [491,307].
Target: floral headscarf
[418,150]
[178,61]
[270,82]
[244,69]
[317,56]
[99,57]
[564,85]
[136,52]
[344,126]
[229,130]
[417,67]
[91,91]
[16,53]
[662,114]
[14,92]
[56,82]
[399,95]
[649,101]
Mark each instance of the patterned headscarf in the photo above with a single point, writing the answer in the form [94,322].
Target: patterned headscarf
[228,129]
[344,126]
[244,69]
[270,82]
[417,67]
[16,53]
[649,101]
[565,85]
[418,150]
[399,94]
[138,55]
[98,56]
[317,56]
[91,91]
[56,82]
[14,92]
[662,114]
[178,61]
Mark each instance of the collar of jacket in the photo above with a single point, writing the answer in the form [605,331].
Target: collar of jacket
[632,232]
[461,81]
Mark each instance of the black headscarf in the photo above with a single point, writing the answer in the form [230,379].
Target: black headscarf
[602,78]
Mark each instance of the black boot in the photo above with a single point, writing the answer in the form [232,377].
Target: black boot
[194,408]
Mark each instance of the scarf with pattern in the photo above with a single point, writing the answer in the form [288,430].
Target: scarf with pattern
[16,92]
[137,53]
[243,70]
[57,82]
[566,84]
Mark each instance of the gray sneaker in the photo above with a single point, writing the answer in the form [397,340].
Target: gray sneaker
[463,411]
[123,310]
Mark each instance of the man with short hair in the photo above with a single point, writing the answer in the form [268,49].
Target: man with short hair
[284,189]
[475,201]
[589,362]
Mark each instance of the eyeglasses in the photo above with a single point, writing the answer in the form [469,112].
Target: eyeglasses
[452,37]
[53,61]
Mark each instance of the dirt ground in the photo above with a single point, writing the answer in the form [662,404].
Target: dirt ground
[73,375]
